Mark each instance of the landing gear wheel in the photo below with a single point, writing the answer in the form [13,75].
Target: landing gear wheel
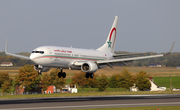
[59,74]
[87,75]
[91,75]
[64,75]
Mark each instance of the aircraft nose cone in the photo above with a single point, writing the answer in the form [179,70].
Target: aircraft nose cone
[32,57]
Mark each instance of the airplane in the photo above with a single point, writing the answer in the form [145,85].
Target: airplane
[86,60]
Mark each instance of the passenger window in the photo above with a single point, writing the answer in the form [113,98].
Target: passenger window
[42,52]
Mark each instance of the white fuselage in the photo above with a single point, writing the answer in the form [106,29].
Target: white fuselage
[64,57]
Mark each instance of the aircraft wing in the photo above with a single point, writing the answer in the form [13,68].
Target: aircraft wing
[19,56]
[15,55]
[110,63]
[133,58]
[128,59]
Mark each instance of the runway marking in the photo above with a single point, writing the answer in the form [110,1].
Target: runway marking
[92,106]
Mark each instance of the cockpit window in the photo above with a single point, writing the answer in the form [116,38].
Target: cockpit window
[42,52]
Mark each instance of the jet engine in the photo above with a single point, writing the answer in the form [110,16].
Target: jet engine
[43,69]
[89,67]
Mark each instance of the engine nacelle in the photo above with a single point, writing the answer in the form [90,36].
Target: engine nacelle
[89,67]
[43,69]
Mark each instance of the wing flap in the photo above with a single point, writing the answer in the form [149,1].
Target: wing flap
[127,54]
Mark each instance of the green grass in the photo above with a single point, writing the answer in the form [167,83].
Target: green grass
[107,90]
[139,108]
[68,81]
[84,94]
[165,81]
[9,68]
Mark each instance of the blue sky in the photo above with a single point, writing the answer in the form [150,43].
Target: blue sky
[144,25]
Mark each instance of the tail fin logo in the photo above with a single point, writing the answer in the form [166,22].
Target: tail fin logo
[110,42]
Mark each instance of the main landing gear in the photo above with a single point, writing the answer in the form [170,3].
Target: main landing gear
[62,74]
[91,75]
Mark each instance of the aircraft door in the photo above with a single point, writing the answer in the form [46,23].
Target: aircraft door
[49,60]
[49,51]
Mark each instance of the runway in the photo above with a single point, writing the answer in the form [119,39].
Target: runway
[66,103]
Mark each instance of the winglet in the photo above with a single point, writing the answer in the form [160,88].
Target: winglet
[170,49]
[6,46]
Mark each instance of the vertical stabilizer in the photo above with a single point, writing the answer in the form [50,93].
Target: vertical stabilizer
[110,42]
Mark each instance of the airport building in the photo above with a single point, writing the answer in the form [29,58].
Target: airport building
[20,90]
[6,64]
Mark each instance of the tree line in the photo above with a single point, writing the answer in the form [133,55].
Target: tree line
[172,60]
[123,80]
[30,80]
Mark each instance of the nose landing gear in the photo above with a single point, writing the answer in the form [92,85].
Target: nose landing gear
[40,72]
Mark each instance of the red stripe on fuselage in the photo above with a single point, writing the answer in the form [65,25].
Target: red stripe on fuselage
[65,58]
